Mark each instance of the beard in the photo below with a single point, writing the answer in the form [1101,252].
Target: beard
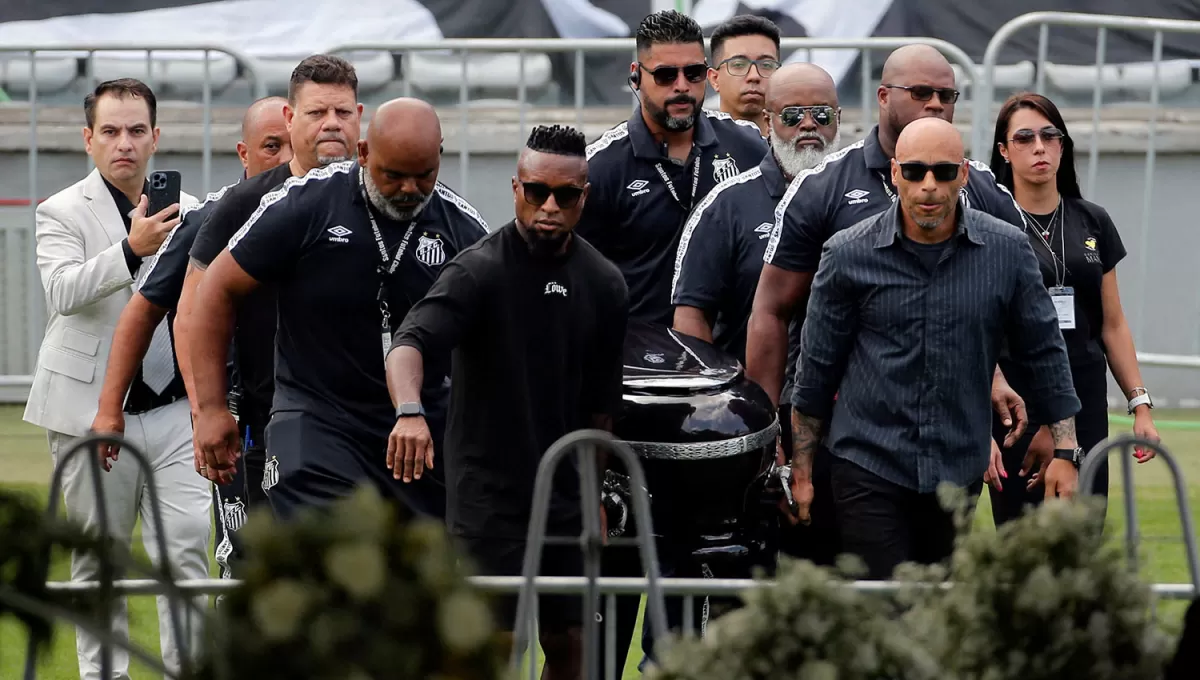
[329,160]
[393,206]
[793,160]
[674,123]
[931,222]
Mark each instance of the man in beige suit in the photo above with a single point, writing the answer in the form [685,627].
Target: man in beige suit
[91,241]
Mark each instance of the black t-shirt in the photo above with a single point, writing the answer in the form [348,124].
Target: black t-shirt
[162,279]
[254,337]
[1093,248]
[313,239]
[537,350]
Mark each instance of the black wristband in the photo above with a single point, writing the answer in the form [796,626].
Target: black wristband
[1074,455]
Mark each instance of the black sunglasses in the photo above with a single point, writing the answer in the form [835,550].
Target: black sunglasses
[792,116]
[1050,135]
[924,93]
[537,193]
[667,75]
[915,171]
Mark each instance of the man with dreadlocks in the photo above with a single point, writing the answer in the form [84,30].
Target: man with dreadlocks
[535,319]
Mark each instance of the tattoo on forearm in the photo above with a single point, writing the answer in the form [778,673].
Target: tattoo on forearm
[806,436]
[1063,433]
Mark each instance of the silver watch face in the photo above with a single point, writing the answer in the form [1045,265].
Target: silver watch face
[410,409]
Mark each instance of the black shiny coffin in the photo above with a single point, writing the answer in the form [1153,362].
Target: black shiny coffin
[704,433]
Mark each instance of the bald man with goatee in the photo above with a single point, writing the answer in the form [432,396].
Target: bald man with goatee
[909,310]
[348,248]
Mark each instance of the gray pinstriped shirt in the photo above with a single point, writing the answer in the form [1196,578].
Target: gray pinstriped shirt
[910,352]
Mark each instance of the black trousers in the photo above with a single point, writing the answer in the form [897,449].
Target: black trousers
[312,462]
[886,524]
[819,541]
[233,502]
[1091,428]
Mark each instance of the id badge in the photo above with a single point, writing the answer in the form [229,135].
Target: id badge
[386,339]
[1064,305]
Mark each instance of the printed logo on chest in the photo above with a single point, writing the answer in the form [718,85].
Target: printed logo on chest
[1089,250]
[430,251]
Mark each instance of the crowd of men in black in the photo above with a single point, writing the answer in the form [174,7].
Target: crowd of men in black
[339,316]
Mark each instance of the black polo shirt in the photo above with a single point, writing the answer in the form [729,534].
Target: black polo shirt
[313,239]
[162,280]
[254,337]
[537,351]
[141,398]
[849,186]
[640,198]
[721,251]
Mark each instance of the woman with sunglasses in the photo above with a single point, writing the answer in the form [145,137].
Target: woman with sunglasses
[1078,248]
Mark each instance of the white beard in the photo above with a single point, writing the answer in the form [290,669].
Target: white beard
[794,161]
[388,208]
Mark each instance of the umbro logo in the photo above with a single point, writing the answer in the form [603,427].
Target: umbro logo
[339,234]
[638,187]
[857,196]
[764,230]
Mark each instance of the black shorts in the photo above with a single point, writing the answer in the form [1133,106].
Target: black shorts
[311,463]
[506,557]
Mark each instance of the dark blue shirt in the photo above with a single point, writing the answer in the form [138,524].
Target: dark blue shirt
[312,238]
[162,279]
[640,198]
[910,352]
[850,185]
[721,251]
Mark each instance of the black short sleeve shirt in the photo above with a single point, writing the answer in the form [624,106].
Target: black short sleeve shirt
[162,278]
[313,240]
[721,251]
[1086,234]
[640,198]
[537,351]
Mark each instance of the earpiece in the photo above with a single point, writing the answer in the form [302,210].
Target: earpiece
[635,78]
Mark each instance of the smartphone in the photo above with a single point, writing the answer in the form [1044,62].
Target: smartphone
[165,186]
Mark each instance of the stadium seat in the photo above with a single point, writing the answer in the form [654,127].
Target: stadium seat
[442,70]
[1173,77]
[1007,76]
[374,70]
[53,74]
[179,71]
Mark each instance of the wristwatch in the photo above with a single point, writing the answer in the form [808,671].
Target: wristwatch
[410,408]
[1142,398]
[1074,455]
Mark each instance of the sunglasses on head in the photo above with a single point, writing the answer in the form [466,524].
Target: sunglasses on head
[537,193]
[792,116]
[740,66]
[1049,135]
[667,75]
[915,171]
[924,93]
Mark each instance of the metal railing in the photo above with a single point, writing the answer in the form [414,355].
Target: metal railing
[1103,24]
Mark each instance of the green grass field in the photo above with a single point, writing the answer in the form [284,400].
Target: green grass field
[25,464]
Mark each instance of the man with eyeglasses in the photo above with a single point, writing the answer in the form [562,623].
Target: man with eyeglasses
[534,320]
[849,186]
[650,171]
[745,54]
[908,313]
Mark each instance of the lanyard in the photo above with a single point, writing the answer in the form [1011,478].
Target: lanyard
[385,269]
[887,187]
[1059,277]
[671,185]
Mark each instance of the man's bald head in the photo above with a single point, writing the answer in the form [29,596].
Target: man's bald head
[265,140]
[798,140]
[930,172]
[917,83]
[402,156]
[931,140]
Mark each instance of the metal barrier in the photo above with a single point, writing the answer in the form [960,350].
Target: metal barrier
[579,48]
[1126,444]
[1102,23]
